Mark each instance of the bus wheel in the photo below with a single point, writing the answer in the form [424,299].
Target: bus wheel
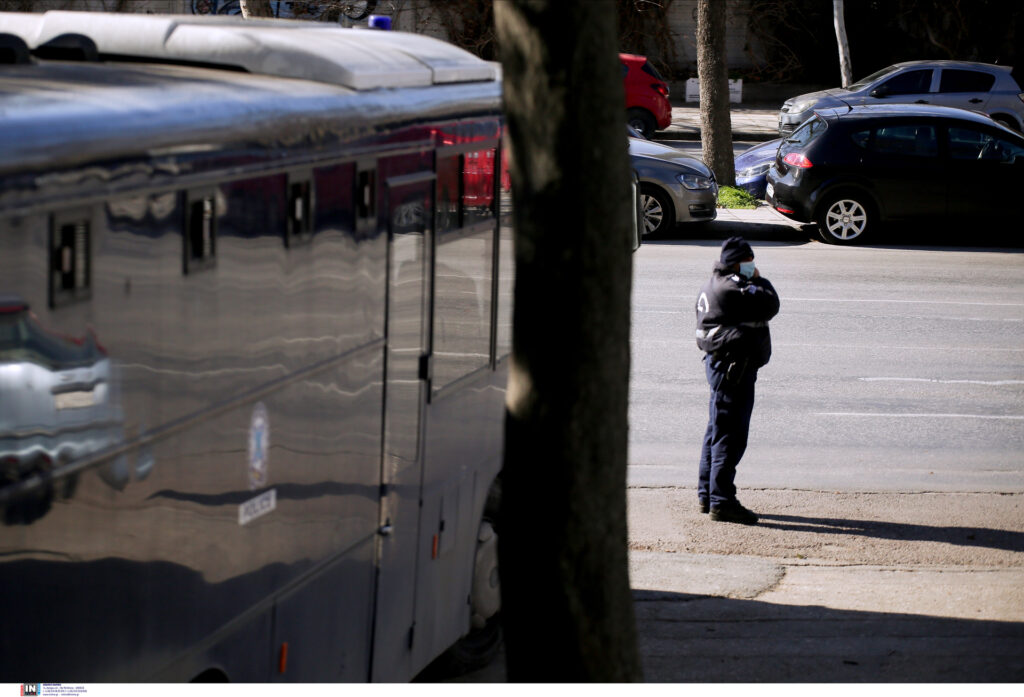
[478,648]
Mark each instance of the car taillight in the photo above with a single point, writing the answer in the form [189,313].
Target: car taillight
[797,160]
[660,88]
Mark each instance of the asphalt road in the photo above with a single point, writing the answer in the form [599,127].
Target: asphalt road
[895,368]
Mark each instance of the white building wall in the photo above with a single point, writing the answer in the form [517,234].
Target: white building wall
[741,48]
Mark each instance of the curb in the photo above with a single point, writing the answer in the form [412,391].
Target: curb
[678,134]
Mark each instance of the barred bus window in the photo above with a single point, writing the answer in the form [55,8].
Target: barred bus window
[335,205]
[300,209]
[200,239]
[70,257]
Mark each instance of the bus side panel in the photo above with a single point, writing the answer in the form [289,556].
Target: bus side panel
[241,406]
[322,631]
[463,457]
[242,652]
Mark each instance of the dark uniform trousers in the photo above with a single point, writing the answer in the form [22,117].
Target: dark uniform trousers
[732,401]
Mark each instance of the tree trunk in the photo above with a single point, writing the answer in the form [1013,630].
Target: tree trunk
[566,603]
[713,73]
[844,46]
[255,8]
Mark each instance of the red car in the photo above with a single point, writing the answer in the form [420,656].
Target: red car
[647,107]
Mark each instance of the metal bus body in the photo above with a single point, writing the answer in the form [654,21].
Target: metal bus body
[251,375]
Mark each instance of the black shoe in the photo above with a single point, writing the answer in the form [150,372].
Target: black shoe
[704,506]
[733,512]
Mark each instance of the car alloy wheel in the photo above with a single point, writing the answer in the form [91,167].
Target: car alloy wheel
[657,211]
[843,221]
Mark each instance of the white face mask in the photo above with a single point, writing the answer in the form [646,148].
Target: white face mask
[747,269]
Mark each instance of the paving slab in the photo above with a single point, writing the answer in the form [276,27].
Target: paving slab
[975,593]
[663,576]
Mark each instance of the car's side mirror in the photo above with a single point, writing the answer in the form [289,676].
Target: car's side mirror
[880,91]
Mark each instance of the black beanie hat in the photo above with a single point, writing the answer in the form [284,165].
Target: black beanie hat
[735,250]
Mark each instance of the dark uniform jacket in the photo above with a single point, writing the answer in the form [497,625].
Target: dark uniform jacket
[733,314]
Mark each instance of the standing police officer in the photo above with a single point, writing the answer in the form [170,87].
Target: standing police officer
[733,310]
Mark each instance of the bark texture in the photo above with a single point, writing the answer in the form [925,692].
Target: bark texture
[255,8]
[567,607]
[713,73]
[844,46]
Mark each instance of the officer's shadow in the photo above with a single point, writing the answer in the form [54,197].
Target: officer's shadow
[965,537]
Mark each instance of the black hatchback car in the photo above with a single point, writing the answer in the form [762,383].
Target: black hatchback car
[850,168]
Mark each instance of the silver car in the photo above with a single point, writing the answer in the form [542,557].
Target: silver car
[59,402]
[989,89]
[674,187]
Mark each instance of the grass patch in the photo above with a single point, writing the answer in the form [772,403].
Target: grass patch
[731,197]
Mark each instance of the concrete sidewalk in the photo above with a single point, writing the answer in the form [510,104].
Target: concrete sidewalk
[828,587]
[749,122]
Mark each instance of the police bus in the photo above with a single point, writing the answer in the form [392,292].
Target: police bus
[255,308]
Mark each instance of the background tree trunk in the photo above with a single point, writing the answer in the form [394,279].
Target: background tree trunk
[566,603]
[713,72]
[844,46]
[255,8]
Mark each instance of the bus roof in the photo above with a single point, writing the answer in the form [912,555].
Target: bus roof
[359,59]
[60,114]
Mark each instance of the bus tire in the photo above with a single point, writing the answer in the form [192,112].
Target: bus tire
[478,648]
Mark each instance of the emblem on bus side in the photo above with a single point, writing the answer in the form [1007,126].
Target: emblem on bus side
[259,446]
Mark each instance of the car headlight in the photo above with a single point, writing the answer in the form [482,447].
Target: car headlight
[694,182]
[802,106]
[754,171]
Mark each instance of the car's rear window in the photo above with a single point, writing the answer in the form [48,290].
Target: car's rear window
[650,70]
[811,129]
[965,81]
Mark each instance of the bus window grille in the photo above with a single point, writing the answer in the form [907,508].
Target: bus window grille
[366,208]
[200,233]
[300,212]
[70,258]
